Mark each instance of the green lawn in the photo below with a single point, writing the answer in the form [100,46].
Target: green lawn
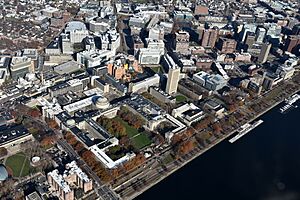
[16,163]
[140,141]
[180,98]
[131,131]
[156,69]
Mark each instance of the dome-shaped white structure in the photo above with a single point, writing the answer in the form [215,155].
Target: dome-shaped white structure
[35,159]
[3,173]
[71,122]
[102,103]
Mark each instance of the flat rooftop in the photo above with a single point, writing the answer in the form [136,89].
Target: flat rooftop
[11,133]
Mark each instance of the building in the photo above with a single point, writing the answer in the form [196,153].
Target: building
[74,32]
[157,33]
[150,56]
[98,26]
[104,86]
[173,79]
[168,62]
[210,82]
[182,39]
[142,86]
[264,52]
[73,176]
[260,34]
[74,85]
[201,10]
[285,71]
[137,43]
[183,16]
[292,44]
[20,66]
[208,37]
[93,58]
[188,113]
[250,39]
[14,135]
[4,69]
[53,48]
[226,45]
[161,95]
[33,196]
[268,81]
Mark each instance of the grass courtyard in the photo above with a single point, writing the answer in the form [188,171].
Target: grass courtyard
[131,131]
[180,98]
[19,164]
[139,140]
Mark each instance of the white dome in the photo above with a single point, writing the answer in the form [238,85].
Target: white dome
[3,173]
[71,122]
[35,159]
[102,103]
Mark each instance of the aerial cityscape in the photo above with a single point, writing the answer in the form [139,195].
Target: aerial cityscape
[105,99]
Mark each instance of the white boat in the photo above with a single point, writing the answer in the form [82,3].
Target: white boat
[246,128]
[293,99]
[286,108]
[290,103]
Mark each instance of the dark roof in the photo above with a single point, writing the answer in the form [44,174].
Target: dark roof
[10,133]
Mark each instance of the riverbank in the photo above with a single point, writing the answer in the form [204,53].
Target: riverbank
[202,151]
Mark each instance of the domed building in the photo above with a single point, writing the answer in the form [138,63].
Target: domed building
[101,102]
[3,173]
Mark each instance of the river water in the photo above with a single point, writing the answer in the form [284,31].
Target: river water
[262,165]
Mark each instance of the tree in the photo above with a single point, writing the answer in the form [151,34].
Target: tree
[184,148]
[217,127]
[48,141]
[34,113]
[52,124]
[3,151]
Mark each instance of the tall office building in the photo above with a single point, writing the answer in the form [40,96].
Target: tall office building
[209,38]
[250,39]
[292,44]
[264,52]
[260,34]
[182,42]
[173,79]
[226,45]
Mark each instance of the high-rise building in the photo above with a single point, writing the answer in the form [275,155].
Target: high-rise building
[250,40]
[260,34]
[264,52]
[156,33]
[292,44]
[19,67]
[173,79]
[182,42]
[209,37]
[226,45]
[201,10]
[296,29]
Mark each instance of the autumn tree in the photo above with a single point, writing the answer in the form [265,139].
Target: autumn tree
[52,123]
[217,127]
[3,151]
[34,113]
[48,141]
[184,148]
